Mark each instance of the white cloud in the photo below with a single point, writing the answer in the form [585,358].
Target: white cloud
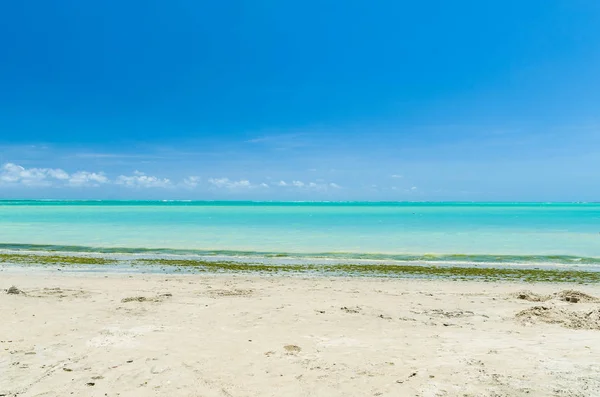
[139,179]
[15,174]
[229,184]
[320,184]
[226,183]
[397,176]
[191,181]
[219,182]
[84,178]
[57,173]
[11,173]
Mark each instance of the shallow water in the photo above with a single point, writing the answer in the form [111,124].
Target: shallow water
[436,232]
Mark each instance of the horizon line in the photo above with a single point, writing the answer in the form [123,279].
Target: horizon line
[305,201]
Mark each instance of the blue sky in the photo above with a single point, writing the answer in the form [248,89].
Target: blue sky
[312,100]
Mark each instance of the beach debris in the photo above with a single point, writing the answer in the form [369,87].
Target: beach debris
[586,319]
[450,314]
[217,293]
[575,296]
[90,384]
[352,310]
[406,318]
[571,299]
[157,298]
[569,295]
[14,291]
[531,296]
[407,378]
[292,349]
[136,299]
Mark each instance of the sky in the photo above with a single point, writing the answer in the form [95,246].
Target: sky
[313,100]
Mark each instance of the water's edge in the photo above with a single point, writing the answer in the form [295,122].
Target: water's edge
[292,257]
[456,267]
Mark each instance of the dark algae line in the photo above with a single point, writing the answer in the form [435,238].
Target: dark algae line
[33,259]
[339,269]
[490,259]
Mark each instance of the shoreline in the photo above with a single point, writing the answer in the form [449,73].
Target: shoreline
[440,257]
[241,334]
[330,267]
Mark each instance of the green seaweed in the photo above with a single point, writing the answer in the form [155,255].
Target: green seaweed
[334,269]
[53,259]
[396,270]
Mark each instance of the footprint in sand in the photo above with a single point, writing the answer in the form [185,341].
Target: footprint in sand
[58,293]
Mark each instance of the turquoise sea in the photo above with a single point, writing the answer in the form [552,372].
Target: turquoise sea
[519,233]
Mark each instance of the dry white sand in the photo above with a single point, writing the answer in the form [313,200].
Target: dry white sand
[228,335]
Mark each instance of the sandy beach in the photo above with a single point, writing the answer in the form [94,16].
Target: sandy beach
[111,334]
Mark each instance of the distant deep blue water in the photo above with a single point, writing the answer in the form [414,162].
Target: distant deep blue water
[467,232]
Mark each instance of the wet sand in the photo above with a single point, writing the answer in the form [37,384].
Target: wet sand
[109,334]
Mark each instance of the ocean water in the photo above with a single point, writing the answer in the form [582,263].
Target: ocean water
[435,232]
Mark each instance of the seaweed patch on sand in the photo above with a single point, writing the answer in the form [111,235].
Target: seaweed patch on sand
[405,270]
